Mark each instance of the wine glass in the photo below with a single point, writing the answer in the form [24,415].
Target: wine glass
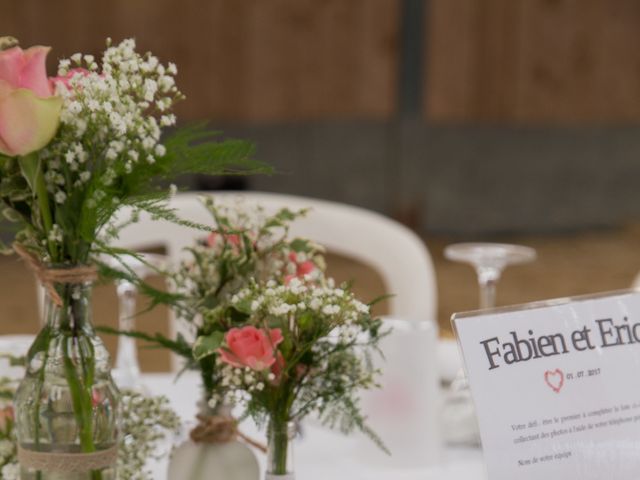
[489,260]
[126,373]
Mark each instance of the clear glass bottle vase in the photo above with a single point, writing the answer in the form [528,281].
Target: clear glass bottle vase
[280,450]
[67,405]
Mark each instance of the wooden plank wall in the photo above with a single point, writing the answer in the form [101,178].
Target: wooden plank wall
[533,61]
[240,60]
[488,61]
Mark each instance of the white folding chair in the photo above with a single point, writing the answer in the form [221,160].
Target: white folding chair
[394,251]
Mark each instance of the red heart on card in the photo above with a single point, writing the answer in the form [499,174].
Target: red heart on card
[555,379]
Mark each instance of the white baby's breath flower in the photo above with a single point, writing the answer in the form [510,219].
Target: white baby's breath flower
[160,150]
[74,107]
[6,449]
[166,83]
[111,154]
[10,471]
[60,196]
[167,120]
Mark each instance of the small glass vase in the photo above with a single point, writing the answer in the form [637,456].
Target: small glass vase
[67,404]
[280,450]
[197,457]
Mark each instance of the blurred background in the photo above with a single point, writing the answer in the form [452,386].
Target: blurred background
[497,120]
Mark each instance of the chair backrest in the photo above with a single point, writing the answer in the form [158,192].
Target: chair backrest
[394,251]
[15,346]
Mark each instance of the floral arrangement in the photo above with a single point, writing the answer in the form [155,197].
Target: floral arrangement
[73,149]
[304,347]
[245,245]
[77,146]
[272,333]
[147,422]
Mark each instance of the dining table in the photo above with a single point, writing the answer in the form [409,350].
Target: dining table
[320,453]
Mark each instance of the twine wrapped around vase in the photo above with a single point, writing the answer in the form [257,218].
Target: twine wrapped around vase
[50,276]
[220,429]
[67,462]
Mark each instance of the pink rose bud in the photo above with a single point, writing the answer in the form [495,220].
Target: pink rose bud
[305,268]
[29,113]
[64,80]
[251,347]
[231,238]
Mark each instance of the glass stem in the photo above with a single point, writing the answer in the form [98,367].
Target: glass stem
[488,280]
[127,359]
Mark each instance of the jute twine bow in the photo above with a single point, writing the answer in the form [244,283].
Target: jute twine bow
[220,429]
[50,276]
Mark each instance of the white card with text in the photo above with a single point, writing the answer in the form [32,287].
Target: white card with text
[557,387]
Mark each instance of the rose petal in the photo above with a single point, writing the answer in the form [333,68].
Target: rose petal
[11,62]
[305,268]
[34,72]
[260,364]
[229,358]
[27,123]
[276,336]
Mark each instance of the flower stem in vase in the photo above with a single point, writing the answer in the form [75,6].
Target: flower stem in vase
[280,454]
[67,402]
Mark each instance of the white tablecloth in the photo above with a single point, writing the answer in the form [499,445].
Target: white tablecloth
[322,454]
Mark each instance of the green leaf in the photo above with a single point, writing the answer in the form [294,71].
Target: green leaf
[191,149]
[178,346]
[300,245]
[306,320]
[207,345]
[11,215]
[380,298]
[15,188]
[30,168]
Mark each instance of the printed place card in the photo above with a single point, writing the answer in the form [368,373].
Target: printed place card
[557,387]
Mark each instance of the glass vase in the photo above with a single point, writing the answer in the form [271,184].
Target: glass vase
[280,450]
[67,403]
[199,456]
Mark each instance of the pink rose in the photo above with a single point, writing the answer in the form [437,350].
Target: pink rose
[251,347]
[231,238]
[302,268]
[64,80]
[305,268]
[29,113]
